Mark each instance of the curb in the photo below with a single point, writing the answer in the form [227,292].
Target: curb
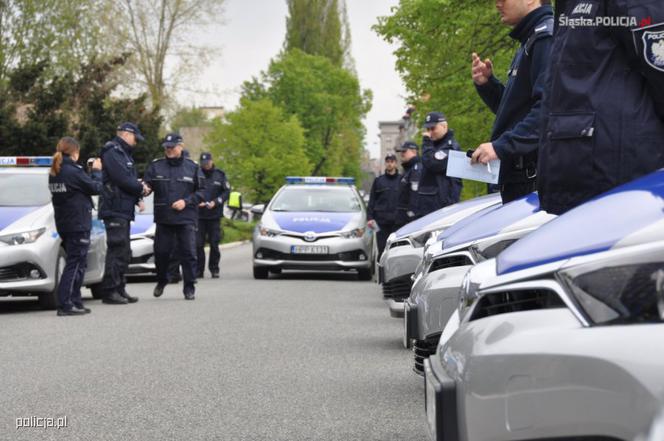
[234,244]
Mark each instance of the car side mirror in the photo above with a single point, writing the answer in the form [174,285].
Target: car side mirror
[258,209]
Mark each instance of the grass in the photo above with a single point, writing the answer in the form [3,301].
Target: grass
[236,230]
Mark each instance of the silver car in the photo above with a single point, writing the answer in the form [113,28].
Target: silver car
[31,256]
[435,292]
[560,335]
[314,223]
[142,233]
[404,249]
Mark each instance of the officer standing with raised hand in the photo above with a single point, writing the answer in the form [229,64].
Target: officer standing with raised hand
[178,189]
[409,185]
[121,193]
[437,190]
[517,104]
[603,109]
[210,213]
[71,188]
[382,208]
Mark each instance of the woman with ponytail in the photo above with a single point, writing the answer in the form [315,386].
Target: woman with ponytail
[71,191]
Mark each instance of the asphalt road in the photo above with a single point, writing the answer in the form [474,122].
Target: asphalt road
[297,357]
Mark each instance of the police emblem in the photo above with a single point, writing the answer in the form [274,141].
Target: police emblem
[440,155]
[653,49]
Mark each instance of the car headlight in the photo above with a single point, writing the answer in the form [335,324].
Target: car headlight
[625,292]
[467,294]
[22,238]
[353,234]
[421,240]
[266,232]
[390,240]
[488,250]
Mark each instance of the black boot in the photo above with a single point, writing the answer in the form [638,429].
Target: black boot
[189,293]
[158,290]
[114,298]
[130,299]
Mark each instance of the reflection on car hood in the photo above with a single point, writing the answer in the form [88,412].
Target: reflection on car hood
[439,216]
[10,215]
[630,214]
[141,223]
[490,221]
[318,222]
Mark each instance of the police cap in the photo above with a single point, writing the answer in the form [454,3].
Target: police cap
[171,140]
[433,119]
[131,128]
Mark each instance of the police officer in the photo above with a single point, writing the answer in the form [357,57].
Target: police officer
[71,188]
[436,189]
[517,105]
[120,194]
[382,209]
[210,213]
[178,189]
[409,185]
[603,108]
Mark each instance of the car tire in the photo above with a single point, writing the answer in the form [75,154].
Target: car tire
[260,272]
[364,274]
[49,300]
[97,291]
[275,270]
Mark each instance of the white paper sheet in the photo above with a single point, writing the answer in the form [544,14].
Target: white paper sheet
[459,166]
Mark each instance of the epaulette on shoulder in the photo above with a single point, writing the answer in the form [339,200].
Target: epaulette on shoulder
[544,30]
[158,159]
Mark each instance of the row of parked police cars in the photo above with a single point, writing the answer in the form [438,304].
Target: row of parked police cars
[524,325]
[31,254]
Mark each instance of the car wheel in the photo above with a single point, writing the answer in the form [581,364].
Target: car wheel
[275,270]
[364,274]
[49,300]
[96,290]
[260,272]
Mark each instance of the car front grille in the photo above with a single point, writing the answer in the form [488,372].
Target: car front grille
[516,301]
[19,272]
[423,349]
[450,262]
[348,256]
[398,288]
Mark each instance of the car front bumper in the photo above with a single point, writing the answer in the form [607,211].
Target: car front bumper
[18,261]
[440,399]
[400,261]
[142,256]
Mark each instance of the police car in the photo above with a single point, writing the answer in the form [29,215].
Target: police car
[560,335]
[31,257]
[314,223]
[142,231]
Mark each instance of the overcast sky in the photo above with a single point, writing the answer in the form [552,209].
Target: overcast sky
[253,32]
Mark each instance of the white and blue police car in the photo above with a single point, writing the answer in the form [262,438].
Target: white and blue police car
[142,231]
[314,223]
[31,256]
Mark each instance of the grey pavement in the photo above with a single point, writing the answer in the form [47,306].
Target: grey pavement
[296,357]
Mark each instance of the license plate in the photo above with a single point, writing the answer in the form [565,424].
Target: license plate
[309,249]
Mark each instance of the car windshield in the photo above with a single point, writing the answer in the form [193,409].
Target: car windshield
[328,199]
[24,189]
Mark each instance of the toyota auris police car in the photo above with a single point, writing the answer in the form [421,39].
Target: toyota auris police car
[314,223]
[560,335]
[435,292]
[405,248]
[31,258]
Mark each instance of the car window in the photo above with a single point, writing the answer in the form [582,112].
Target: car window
[24,189]
[328,199]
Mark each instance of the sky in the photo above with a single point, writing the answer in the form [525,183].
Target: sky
[252,32]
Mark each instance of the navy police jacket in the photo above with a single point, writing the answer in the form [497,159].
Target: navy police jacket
[603,110]
[517,104]
[121,186]
[218,189]
[71,190]
[172,179]
[383,199]
[436,190]
[408,187]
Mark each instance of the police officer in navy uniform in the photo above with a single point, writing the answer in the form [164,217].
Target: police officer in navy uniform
[382,208]
[120,194]
[71,188]
[517,104]
[603,108]
[210,213]
[409,185]
[436,189]
[178,188]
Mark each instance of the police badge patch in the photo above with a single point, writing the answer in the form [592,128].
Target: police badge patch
[440,155]
[653,49]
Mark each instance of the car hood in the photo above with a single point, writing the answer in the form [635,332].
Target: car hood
[18,219]
[317,222]
[142,223]
[450,214]
[630,214]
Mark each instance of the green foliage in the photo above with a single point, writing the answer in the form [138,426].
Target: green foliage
[236,230]
[258,145]
[189,117]
[328,101]
[435,40]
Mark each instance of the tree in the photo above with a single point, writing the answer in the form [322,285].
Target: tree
[435,41]
[189,117]
[326,99]
[157,30]
[257,159]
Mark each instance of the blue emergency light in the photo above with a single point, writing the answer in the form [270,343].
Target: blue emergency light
[321,180]
[26,161]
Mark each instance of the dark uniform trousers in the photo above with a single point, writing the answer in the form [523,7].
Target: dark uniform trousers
[118,254]
[183,238]
[209,230]
[382,235]
[69,291]
[516,190]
